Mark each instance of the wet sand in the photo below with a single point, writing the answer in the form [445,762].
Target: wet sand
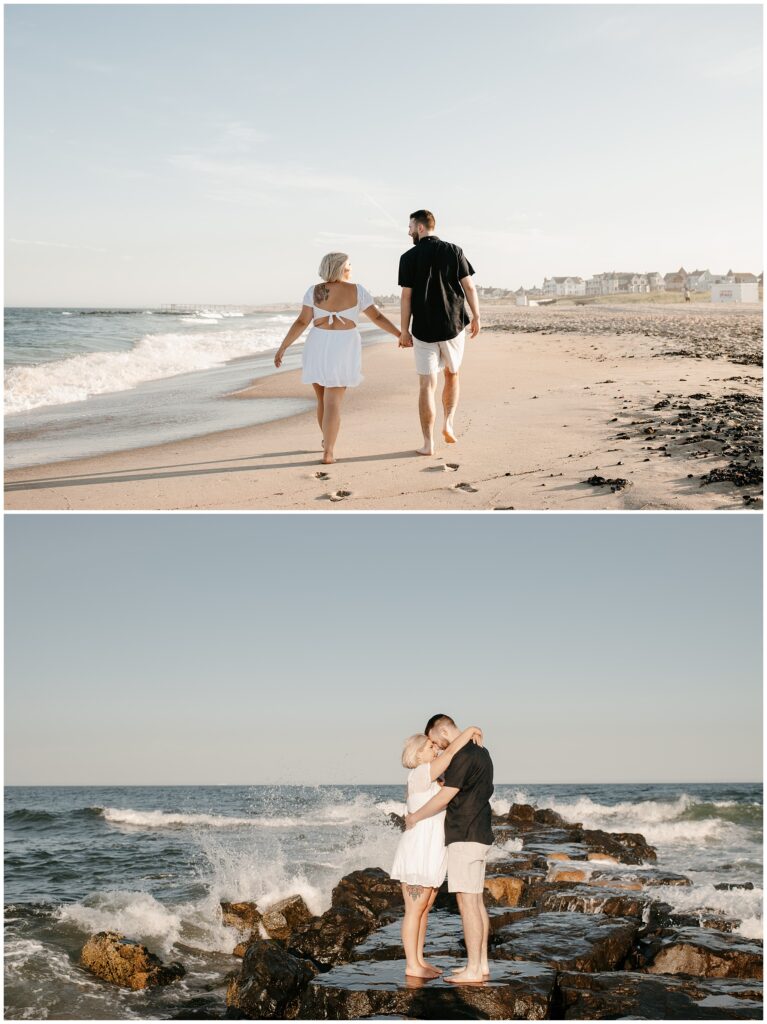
[570,408]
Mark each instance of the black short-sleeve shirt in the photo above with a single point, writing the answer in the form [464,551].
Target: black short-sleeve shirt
[434,270]
[468,818]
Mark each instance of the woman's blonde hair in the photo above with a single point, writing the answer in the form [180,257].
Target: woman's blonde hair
[331,268]
[410,751]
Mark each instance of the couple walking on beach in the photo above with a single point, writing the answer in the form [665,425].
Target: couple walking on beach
[448,833]
[435,278]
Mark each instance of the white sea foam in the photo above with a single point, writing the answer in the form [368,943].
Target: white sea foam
[744,904]
[135,914]
[165,819]
[154,357]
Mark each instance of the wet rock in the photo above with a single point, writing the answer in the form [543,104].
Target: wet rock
[517,990]
[701,951]
[329,939]
[521,814]
[286,917]
[545,816]
[568,875]
[123,962]
[505,889]
[243,916]
[270,982]
[727,886]
[623,995]
[627,847]
[397,820]
[588,899]
[370,892]
[568,941]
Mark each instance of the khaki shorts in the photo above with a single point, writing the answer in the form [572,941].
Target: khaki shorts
[466,867]
[433,356]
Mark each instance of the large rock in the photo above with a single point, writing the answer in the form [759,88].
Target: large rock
[270,982]
[567,941]
[124,962]
[282,919]
[370,891]
[627,847]
[243,916]
[621,995]
[367,988]
[710,954]
[589,899]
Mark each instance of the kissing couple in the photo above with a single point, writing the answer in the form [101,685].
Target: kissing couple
[435,278]
[448,832]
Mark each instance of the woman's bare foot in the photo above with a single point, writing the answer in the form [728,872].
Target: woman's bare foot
[464,978]
[428,449]
[418,971]
[328,459]
[435,971]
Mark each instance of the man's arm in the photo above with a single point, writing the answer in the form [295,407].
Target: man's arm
[473,300]
[437,803]
[405,311]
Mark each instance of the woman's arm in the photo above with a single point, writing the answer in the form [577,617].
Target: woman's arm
[297,328]
[405,306]
[439,764]
[374,313]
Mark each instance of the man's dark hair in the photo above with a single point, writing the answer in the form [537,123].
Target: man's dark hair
[434,720]
[425,217]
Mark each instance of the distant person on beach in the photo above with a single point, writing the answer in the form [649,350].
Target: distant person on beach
[333,350]
[420,862]
[435,278]
[465,797]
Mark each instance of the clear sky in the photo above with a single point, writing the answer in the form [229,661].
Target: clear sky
[253,649]
[213,153]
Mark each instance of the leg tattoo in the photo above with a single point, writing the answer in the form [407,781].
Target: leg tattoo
[414,892]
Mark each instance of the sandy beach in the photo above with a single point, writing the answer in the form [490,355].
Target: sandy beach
[567,407]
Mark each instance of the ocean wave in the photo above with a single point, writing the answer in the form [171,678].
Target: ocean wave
[167,819]
[744,904]
[137,914]
[154,357]
[684,820]
[35,814]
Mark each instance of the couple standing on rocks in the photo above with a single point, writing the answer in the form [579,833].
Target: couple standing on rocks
[448,833]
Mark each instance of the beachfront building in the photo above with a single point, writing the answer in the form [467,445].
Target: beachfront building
[655,282]
[557,287]
[675,282]
[732,278]
[701,280]
[614,283]
[736,291]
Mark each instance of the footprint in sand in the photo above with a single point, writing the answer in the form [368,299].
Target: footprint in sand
[322,476]
[466,487]
[446,467]
[339,495]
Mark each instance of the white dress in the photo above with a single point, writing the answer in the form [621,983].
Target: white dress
[421,857]
[334,358]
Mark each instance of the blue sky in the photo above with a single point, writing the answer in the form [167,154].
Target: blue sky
[213,153]
[253,649]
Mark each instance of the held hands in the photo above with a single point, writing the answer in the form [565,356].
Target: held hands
[405,340]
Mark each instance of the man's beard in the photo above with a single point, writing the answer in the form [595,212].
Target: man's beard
[416,239]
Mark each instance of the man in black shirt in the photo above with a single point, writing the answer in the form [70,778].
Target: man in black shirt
[468,837]
[435,277]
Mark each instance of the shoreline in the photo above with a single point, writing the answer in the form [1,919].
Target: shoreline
[549,401]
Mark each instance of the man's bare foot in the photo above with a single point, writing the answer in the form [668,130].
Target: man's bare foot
[419,972]
[448,434]
[428,449]
[328,459]
[464,978]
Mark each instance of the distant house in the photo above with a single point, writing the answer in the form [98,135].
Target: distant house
[676,282]
[700,280]
[563,286]
[732,278]
[655,282]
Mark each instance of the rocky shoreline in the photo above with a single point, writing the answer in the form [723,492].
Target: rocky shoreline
[579,930]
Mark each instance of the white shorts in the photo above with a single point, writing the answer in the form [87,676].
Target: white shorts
[433,356]
[466,867]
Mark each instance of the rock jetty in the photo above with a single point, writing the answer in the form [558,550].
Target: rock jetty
[579,929]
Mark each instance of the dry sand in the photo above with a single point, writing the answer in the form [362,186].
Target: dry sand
[550,397]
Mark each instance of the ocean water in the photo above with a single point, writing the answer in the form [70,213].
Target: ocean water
[154,862]
[84,382]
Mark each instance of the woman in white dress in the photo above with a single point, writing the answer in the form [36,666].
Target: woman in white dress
[420,862]
[333,349]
